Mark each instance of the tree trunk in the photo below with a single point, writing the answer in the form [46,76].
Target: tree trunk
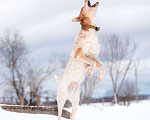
[80,102]
[136,86]
[115,97]
[21,100]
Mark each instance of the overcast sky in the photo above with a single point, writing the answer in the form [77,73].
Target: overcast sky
[46,24]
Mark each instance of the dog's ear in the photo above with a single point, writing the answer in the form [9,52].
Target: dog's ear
[89,4]
[76,19]
[86,2]
[95,6]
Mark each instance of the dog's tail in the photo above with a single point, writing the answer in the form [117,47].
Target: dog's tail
[57,78]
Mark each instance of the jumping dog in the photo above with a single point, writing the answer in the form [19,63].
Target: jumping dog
[83,57]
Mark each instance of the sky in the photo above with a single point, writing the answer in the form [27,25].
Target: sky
[46,24]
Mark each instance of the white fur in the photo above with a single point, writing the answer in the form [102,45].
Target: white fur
[69,84]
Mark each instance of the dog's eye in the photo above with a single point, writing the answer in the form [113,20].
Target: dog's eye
[79,18]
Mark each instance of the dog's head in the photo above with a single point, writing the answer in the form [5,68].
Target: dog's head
[87,14]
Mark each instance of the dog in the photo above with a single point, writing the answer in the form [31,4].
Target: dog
[83,57]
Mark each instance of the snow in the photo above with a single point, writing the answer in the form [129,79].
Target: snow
[136,111]
[6,115]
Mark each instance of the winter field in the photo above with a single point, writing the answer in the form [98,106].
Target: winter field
[136,111]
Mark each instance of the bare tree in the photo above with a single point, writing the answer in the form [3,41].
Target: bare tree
[36,76]
[59,60]
[1,86]
[136,65]
[87,88]
[116,53]
[12,52]
[24,78]
[127,91]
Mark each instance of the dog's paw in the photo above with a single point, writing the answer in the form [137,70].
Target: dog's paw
[100,77]
[91,70]
[90,74]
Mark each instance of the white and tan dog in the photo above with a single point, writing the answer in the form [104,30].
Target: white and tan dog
[83,57]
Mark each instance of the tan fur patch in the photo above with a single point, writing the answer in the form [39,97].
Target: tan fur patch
[77,52]
[84,20]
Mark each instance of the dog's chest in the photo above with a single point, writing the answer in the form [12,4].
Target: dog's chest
[88,41]
[94,50]
[90,46]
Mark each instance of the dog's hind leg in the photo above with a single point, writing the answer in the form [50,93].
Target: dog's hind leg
[61,98]
[75,102]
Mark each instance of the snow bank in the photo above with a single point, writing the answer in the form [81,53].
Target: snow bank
[6,115]
[136,111]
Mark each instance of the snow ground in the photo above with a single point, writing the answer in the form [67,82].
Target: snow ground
[136,111]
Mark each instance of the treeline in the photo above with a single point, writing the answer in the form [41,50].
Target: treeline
[25,77]
[22,76]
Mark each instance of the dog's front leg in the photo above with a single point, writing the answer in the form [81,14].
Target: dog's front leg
[94,63]
[86,59]
[91,67]
[91,61]
[99,65]
[101,72]
[91,70]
